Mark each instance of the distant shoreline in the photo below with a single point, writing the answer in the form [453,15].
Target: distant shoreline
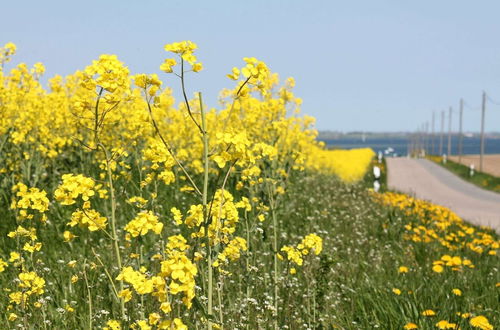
[334,135]
[399,144]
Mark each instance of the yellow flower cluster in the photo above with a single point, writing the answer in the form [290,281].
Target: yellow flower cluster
[182,273]
[89,218]
[30,199]
[153,320]
[6,52]
[455,263]
[176,243]
[151,83]
[255,72]
[109,74]
[434,223]
[311,242]
[139,281]
[143,223]
[232,251]
[177,275]
[23,232]
[480,322]
[349,165]
[443,324]
[175,324]
[224,217]
[31,204]
[112,325]
[3,264]
[428,312]
[137,201]
[292,254]
[31,285]
[74,186]
[159,163]
[185,49]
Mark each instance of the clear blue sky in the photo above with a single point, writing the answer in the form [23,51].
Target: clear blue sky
[359,65]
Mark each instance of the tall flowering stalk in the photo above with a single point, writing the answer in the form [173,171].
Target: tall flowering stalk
[109,78]
[206,211]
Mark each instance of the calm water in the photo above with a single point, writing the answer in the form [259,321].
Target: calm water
[471,145]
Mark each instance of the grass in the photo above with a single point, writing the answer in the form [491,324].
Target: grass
[350,286]
[364,247]
[480,179]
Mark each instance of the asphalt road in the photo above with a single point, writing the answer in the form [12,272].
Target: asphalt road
[426,180]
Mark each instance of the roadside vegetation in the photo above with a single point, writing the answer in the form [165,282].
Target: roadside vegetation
[122,210]
[480,179]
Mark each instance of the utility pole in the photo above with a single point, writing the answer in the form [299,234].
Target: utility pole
[412,144]
[460,134]
[433,133]
[426,139]
[422,138]
[415,143]
[408,148]
[483,110]
[441,136]
[449,131]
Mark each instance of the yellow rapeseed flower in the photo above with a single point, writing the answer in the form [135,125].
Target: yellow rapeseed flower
[144,222]
[112,325]
[167,65]
[3,264]
[68,236]
[175,324]
[14,256]
[125,294]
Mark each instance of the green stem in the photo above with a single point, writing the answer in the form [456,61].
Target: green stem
[205,209]
[89,300]
[113,287]
[113,225]
[170,150]
[98,122]
[220,287]
[275,250]
[248,271]
[141,312]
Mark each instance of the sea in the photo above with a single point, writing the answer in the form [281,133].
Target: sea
[398,146]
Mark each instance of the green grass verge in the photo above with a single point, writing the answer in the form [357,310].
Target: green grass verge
[365,246]
[480,179]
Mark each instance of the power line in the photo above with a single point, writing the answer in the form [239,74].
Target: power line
[492,100]
[478,108]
